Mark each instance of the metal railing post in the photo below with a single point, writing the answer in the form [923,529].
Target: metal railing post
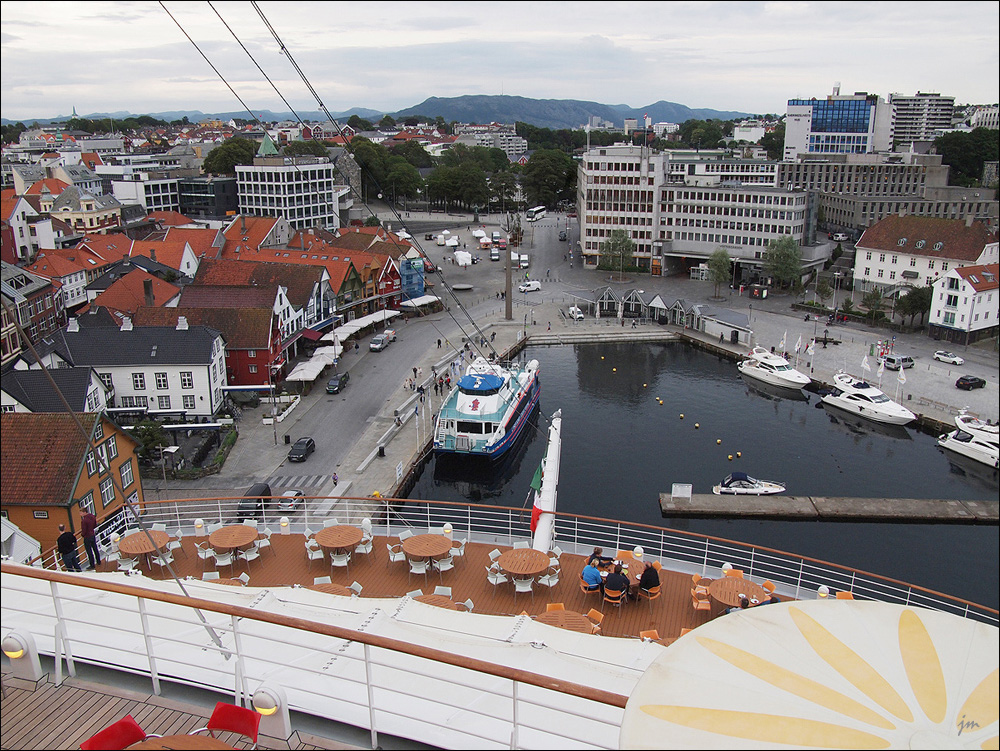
[371,695]
[513,730]
[242,696]
[153,674]
[798,580]
[61,637]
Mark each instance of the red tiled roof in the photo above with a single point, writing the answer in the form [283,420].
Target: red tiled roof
[58,263]
[957,241]
[41,454]
[170,218]
[56,187]
[109,247]
[247,233]
[128,294]
[227,296]
[202,241]
[982,278]
[168,252]
[299,280]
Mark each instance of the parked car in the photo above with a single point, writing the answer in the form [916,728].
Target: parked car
[291,500]
[562,234]
[572,215]
[428,266]
[945,356]
[429,236]
[254,500]
[897,362]
[575,313]
[839,237]
[533,286]
[338,383]
[301,450]
[969,382]
[381,341]
[494,254]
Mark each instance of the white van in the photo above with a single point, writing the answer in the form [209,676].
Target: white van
[440,240]
[496,237]
[575,313]
[524,262]
[494,254]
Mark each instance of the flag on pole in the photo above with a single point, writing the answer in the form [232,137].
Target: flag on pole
[811,349]
[781,344]
[865,365]
[902,375]
[881,368]
[798,344]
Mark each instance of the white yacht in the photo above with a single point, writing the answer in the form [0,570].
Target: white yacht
[773,369]
[860,397]
[975,439]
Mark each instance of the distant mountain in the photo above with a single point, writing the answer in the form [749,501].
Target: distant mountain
[553,113]
[543,113]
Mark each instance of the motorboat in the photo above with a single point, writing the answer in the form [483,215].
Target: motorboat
[860,397]
[740,483]
[975,439]
[487,409]
[773,369]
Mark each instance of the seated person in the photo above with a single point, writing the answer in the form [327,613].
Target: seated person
[598,559]
[773,599]
[591,577]
[744,604]
[617,580]
[650,577]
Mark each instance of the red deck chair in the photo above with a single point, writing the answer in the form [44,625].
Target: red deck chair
[121,734]
[232,719]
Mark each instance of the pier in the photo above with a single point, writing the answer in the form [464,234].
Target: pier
[817,508]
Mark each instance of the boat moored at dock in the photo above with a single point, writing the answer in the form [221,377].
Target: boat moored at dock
[975,439]
[772,369]
[860,397]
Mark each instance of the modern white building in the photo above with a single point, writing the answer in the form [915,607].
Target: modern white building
[859,123]
[920,117]
[902,252]
[966,304]
[986,117]
[154,191]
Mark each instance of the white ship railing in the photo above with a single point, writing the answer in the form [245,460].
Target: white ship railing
[794,575]
[350,676]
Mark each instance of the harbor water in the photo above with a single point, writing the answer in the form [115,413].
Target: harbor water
[639,417]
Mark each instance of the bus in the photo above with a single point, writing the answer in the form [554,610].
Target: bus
[533,215]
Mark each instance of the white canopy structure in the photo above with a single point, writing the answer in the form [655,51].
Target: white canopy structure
[452,242]
[333,351]
[419,301]
[478,233]
[341,333]
[307,371]
[463,258]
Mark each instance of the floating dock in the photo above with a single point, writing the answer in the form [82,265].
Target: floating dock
[816,508]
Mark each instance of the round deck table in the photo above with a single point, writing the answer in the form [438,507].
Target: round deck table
[180,741]
[438,601]
[232,537]
[228,582]
[340,537]
[728,589]
[523,562]
[331,589]
[137,543]
[427,547]
[567,619]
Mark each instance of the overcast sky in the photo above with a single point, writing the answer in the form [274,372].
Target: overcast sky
[751,57]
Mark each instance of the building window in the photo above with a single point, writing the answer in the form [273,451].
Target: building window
[139,381]
[102,458]
[112,444]
[161,382]
[91,463]
[187,380]
[251,353]
[188,401]
[87,503]
[126,473]
[98,431]
[106,380]
[107,492]
[252,368]
[40,514]
[163,402]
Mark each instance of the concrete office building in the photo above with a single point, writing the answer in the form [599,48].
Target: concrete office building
[301,190]
[860,123]
[920,117]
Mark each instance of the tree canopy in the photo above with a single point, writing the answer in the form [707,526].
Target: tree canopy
[359,123]
[306,148]
[774,142]
[965,153]
[720,268]
[549,177]
[783,261]
[616,251]
[223,160]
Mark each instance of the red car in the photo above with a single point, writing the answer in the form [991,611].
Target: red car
[572,215]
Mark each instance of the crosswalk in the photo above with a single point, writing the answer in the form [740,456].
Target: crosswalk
[302,482]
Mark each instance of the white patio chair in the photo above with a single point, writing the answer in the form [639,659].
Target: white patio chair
[314,552]
[356,589]
[321,580]
[250,554]
[417,567]
[521,544]
[494,554]
[265,541]
[444,564]
[250,523]
[331,523]
[163,560]
[443,591]
[159,527]
[458,548]
[224,559]
[415,593]
[209,576]
[556,551]
[396,554]
[549,580]
[244,577]
[495,577]
[406,533]
[215,527]
[341,560]
[523,586]
[205,553]
[365,546]
[468,605]
[127,564]
[178,543]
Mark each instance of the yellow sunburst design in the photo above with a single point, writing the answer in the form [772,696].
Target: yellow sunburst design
[922,665]
[851,665]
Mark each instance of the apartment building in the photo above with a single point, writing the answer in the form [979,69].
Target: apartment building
[301,190]
[965,306]
[920,117]
[858,123]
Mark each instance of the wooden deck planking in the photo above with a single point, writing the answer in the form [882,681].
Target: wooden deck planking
[286,564]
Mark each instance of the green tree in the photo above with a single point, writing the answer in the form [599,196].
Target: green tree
[916,302]
[387,122]
[702,134]
[373,160]
[720,268]
[783,261]
[306,148]
[823,291]
[774,142]
[549,177]
[223,160]
[402,179]
[616,251]
[414,153]
[503,188]
[873,302]
[373,221]
[965,154]
[150,435]
[359,123]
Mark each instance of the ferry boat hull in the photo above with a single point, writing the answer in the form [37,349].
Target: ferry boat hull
[487,410]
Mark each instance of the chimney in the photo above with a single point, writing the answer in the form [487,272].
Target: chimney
[73,326]
[902,212]
[126,324]
[147,291]
[243,224]
[182,323]
[152,254]
[969,219]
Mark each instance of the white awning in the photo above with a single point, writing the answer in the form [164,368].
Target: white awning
[478,233]
[341,333]
[419,301]
[463,258]
[306,371]
[334,351]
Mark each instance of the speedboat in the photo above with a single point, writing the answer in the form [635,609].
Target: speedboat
[487,410]
[773,369]
[975,439]
[740,483]
[860,397]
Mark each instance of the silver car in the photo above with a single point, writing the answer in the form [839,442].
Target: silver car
[945,356]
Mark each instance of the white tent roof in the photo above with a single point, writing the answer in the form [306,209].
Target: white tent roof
[418,301]
[335,350]
[341,333]
[463,258]
[478,233]
[306,371]
[451,242]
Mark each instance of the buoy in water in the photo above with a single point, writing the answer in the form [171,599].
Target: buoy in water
[739,454]
[697,425]
[730,457]
[718,441]
[682,415]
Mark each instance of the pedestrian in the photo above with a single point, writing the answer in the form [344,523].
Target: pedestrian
[414,371]
[439,344]
[66,543]
[447,381]
[633,323]
[623,323]
[88,530]
[356,347]
[493,337]
[721,338]
[550,326]
[335,479]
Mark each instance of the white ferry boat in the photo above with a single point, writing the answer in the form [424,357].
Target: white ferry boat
[487,410]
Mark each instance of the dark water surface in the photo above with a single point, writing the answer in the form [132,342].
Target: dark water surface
[622,448]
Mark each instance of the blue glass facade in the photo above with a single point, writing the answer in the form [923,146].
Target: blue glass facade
[840,126]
